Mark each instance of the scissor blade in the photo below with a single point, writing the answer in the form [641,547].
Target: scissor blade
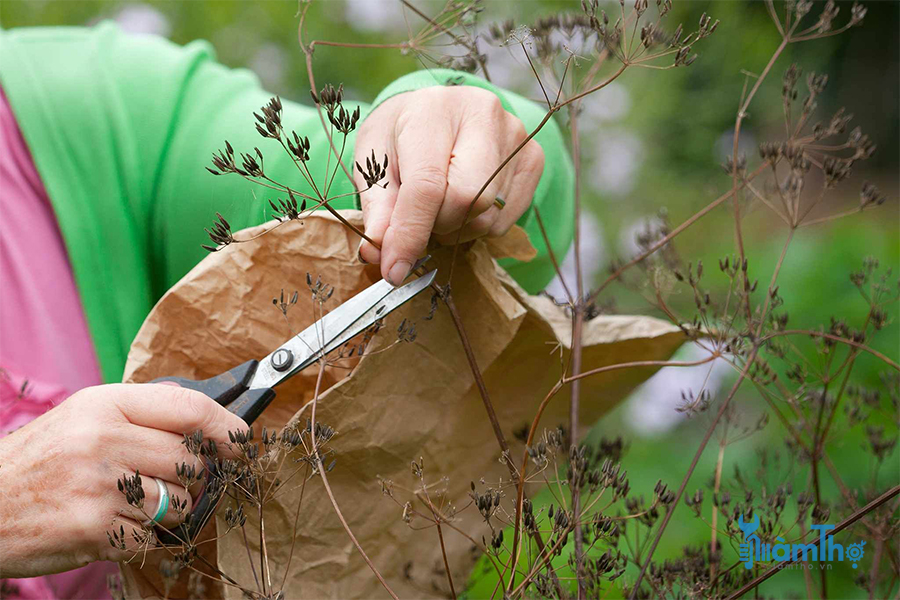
[390,302]
[335,328]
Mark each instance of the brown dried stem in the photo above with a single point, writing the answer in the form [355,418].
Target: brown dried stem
[334,504]
[853,518]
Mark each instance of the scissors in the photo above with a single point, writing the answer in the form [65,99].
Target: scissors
[247,389]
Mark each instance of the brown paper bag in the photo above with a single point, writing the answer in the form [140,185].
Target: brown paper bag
[409,401]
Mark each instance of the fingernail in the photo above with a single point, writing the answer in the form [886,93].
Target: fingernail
[373,251]
[398,273]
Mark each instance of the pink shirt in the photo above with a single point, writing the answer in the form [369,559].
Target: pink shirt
[44,337]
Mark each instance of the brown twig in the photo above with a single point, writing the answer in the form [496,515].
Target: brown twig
[691,468]
[334,504]
[853,518]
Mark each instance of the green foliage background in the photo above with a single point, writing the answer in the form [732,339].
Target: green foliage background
[680,117]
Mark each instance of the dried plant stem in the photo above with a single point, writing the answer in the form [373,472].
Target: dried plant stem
[639,363]
[520,489]
[853,518]
[436,512]
[334,504]
[437,522]
[227,580]
[492,416]
[771,288]
[677,231]
[481,60]
[742,112]
[397,46]
[308,53]
[577,329]
[835,338]
[687,476]
[876,564]
[294,535]
[545,558]
[577,326]
[714,542]
[250,560]
[479,382]
[540,222]
[263,552]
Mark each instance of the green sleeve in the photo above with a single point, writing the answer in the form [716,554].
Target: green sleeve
[121,128]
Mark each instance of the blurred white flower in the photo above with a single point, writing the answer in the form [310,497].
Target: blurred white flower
[724,147]
[607,104]
[376,15]
[509,68]
[593,259]
[628,246]
[651,408]
[269,63]
[618,154]
[142,19]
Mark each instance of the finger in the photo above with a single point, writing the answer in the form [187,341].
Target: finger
[377,201]
[155,452]
[481,145]
[521,188]
[423,156]
[474,229]
[176,409]
[176,503]
[496,222]
[377,205]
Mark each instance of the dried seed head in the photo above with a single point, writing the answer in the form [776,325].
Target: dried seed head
[374,171]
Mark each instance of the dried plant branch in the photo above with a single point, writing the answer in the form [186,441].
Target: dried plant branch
[844,524]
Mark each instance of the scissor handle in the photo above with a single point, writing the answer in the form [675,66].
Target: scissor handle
[230,390]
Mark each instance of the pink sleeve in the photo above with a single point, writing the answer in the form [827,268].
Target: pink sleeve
[44,338]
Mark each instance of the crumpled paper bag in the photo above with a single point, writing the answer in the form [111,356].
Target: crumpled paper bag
[412,400]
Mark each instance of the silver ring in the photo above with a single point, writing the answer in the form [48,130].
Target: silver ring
[162,503]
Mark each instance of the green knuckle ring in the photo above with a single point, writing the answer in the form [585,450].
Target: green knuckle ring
[162,504]
[499,201]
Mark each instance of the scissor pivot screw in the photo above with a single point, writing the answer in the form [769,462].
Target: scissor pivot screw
[282,359]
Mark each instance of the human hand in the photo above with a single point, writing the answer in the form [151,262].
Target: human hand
[442,144]
[58,496]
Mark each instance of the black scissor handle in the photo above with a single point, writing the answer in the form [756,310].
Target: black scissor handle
[222,388]
[230,390]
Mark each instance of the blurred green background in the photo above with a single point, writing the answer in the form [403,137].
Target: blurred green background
[653,139]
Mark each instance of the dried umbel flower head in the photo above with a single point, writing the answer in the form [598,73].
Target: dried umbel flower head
[298,146]
[374,171]
[329,98]
[285,304]
[132,489]
[343,120]
[220,234]
[870,195]
[269,122]
[287,210]
[321,292]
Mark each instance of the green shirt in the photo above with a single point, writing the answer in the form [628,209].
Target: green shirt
[121,128]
